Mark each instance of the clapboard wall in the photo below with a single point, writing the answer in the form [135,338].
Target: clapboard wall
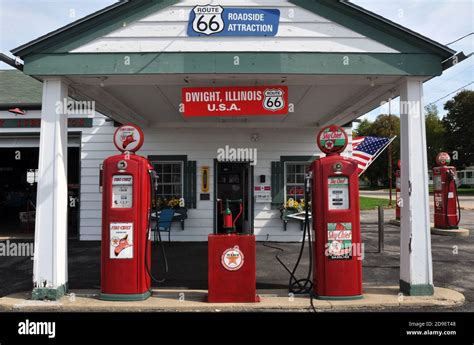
[299,31]
[200,145]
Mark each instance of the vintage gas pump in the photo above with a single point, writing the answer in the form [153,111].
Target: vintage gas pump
[397,191]
[232,262]
[447,211]
[336,220]
[126,209]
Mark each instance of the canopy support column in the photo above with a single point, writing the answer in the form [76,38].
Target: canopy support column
[50,253]
[416,271]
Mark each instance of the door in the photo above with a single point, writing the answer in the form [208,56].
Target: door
[234,181]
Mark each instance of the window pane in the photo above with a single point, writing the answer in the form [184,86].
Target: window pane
[166,178]
[300,178]
[176,178]
[167,168]
[299,168]
[177,168]
[177,190]
[290,168]
[290,178]
[167,189]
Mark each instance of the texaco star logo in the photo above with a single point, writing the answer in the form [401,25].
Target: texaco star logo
[329,144]
[232,259]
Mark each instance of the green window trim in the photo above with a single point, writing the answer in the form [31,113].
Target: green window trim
[189,175]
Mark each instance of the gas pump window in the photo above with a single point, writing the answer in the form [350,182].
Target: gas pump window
[122,191]
[338,193]
[437,183]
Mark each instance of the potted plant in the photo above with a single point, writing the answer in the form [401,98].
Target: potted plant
[290,207]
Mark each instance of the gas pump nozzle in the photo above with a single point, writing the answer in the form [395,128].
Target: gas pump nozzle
[308,178]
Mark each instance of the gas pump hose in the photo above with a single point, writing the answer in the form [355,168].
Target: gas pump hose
[303,285]
[159,281]
[453,180]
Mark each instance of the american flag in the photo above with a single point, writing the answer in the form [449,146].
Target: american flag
[366,149]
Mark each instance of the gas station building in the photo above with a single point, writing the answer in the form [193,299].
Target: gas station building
[136,61]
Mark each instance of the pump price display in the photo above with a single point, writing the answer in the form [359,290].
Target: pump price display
[338,193]
[122,191]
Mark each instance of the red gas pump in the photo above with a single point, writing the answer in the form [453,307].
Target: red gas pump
[397,191]
[447,212]
[232,262]
[336,220]
[126,208]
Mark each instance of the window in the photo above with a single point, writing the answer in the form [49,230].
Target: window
[294,179]
[468,174]
[170,179]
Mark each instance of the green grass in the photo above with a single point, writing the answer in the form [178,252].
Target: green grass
[461,191]
[367,203]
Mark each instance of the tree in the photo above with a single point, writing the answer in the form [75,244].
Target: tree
[435,134]
[458,123]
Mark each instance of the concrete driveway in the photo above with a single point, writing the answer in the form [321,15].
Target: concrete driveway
[452,263]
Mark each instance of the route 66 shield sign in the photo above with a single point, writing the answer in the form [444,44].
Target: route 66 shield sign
[273,99]
[208,19]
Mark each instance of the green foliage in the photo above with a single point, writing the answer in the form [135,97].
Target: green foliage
[458,123]
[435,134]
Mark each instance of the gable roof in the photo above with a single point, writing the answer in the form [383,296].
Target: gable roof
[341,11]
[18,89]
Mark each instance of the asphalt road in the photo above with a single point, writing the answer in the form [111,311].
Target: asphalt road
[452,262]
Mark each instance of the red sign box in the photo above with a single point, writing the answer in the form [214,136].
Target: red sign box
[235,101]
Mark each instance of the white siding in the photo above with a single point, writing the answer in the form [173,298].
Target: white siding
[200,145]
[299,31]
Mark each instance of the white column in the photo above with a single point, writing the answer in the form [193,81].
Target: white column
[50,255]
[416,271]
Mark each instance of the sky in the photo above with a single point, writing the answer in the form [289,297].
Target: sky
[441,20]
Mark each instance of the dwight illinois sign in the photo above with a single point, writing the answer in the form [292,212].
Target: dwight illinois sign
[235,100]
[219,21]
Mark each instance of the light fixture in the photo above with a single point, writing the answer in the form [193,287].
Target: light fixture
[17,111]
[372,81]
[254,137]
[102,81]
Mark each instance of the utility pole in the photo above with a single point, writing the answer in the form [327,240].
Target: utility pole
[390,153]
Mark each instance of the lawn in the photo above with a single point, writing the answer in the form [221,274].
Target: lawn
[372,203]
[461,191]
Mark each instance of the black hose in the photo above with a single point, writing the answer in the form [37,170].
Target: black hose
[159,281]
[303,285]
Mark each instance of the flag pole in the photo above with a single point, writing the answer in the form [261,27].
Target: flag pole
[378,154]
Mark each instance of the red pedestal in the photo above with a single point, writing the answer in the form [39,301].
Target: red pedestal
[232,269]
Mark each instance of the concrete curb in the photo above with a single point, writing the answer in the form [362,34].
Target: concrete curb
[460,232]
[395,222]
[166,300]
